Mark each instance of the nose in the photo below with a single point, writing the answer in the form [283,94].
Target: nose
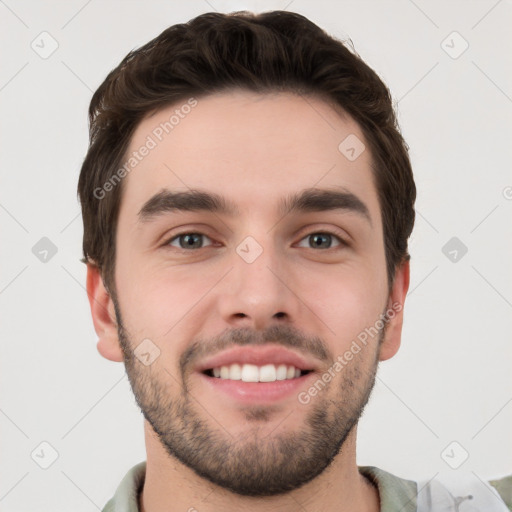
[258,291]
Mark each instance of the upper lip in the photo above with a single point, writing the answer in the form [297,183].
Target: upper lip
[258,356]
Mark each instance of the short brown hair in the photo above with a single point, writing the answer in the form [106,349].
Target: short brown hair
[214,52]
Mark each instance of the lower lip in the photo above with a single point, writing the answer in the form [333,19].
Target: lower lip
[251,392]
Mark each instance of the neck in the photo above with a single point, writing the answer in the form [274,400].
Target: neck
[171,485]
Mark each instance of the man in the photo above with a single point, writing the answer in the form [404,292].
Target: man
[247,199]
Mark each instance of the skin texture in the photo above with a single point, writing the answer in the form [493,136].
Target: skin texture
[205,449]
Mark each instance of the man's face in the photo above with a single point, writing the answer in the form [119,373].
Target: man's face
[195,284]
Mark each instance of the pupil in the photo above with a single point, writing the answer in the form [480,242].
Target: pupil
[317,239]
[194,240]
[189,240]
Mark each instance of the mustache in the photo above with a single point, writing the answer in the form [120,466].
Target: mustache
[283,335]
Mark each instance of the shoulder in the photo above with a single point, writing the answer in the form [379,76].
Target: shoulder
[126,495]
[504,488]
[397,493]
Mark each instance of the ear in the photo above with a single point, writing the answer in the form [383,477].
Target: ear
[392,338]
[103,316]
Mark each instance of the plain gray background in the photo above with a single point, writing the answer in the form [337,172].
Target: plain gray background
[450,381]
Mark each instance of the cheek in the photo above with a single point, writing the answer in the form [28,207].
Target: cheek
[158,300]
[347,302]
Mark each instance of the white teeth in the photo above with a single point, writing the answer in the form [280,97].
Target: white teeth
[224,372]
[281,372]
[250,373]
[268,373]
[254,373]
[235,372]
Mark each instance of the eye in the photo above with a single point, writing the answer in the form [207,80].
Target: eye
[187,241]
[323,240]
[317,240]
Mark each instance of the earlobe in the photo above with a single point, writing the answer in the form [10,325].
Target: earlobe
[103,316]
[395,309]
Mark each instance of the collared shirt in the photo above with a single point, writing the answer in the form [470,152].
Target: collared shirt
[395,493]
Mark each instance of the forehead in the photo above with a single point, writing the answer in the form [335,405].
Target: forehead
[254,149]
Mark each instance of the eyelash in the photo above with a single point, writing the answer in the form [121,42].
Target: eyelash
[342,242]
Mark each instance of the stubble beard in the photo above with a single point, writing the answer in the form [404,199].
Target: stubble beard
[254,463]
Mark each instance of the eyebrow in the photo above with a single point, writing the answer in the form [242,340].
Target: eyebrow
[308,200]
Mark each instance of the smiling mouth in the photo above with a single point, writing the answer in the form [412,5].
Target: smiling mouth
[255,373]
